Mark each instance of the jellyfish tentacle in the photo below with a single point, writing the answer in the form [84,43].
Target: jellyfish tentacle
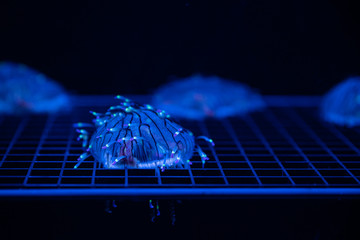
[82,158]
[206,139]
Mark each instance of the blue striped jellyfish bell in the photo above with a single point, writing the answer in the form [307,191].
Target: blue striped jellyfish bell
[138,136]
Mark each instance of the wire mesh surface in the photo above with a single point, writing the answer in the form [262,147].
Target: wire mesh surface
[286,146]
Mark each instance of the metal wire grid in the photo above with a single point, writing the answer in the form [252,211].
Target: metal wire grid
[283,146]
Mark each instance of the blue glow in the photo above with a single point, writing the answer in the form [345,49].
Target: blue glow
[341,105]
[138,136]
[26,90]
[180,193]
[198,97]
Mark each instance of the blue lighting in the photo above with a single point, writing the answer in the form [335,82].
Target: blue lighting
[341,105]
[180,192]
[138,136]
[198,97]
[26,90]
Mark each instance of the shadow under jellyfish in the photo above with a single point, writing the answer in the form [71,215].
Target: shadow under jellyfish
[138,136]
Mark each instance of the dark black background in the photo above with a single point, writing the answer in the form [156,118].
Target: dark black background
[279,219]
[132,47]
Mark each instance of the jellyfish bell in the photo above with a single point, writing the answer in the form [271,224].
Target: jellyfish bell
[199,97]
[341,105]
[139,136]
[25,90]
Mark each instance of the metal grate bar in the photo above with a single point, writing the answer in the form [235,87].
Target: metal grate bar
[126,176]
[182,193]
[93,173]
[191,177]
[206,133]
[49,122]
[285,133]
[304,125]
[283,148]
[67,153]
[19,129]
[343,137]
[230,130]
[264,141]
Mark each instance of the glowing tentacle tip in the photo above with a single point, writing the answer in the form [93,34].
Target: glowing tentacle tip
[129,109]
[161,113]
[114,107]
[122,98]
[207,139]
[163,168]
[81,159]
[147,106]
[150,204]
[178,132]
[118,159]
[95,113]
[83,131]
[85,142]
[112,129]
[174,151]
[81,124]
[83,156]
[157,210]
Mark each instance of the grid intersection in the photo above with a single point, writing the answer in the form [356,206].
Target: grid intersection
[281,147]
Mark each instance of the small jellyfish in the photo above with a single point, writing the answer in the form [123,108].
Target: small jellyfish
[341,105]
[138,136]
[198,97]
[24,90]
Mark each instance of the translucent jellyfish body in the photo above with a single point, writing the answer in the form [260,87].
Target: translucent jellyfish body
[138,136]
[198,97]
[341,105]
[23,89]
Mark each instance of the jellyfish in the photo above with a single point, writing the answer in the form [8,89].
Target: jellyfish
[341,105]
[24,90]
[198,97]
[138,136]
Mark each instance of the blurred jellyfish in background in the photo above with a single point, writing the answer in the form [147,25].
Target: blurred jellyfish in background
[341,105]
[24,90]
[198,97]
